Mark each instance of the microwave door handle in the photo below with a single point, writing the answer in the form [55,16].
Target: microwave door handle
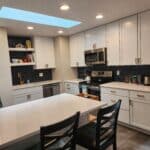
[97,57]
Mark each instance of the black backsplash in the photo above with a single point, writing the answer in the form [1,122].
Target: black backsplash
[29,74]
[143,70]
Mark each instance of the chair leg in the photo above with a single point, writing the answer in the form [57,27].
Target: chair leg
[115,144]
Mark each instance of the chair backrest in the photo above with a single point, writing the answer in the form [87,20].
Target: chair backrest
[107,123]
[1,105]
[61,135]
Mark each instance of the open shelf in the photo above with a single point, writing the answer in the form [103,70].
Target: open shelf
[23,64]
[21,49]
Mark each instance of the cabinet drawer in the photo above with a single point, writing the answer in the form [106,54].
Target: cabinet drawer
[115,91]
[20,99]
[140,95]
[28,90]
[36,96]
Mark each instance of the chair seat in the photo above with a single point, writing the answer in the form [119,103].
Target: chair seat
[86,136]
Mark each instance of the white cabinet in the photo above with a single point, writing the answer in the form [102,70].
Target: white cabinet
[128,41]
[140,109]
[144,37]
[44,52]
[71,88]
[95,38]
[28,94]
[140,114]
[111,95]
[112,43]
[77,48]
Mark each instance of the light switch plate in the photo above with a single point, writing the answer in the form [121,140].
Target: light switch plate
[118,72]
[41,74]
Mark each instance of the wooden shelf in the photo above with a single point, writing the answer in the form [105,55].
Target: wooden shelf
[21,49]
[23,64]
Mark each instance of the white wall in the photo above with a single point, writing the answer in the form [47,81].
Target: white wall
[5,71]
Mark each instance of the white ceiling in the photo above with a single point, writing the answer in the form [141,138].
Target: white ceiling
[81,10]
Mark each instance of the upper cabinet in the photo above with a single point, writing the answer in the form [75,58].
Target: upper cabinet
[44,52]
[112,43]
[77,50]
[128,41]
[95,38]
[144,37]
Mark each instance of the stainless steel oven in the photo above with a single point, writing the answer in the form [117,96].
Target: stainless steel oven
[96,56]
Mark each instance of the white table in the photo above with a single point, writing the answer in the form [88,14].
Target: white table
[20,121]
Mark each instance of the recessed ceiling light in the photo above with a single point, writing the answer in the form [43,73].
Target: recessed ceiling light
[34,17]
[99,16]
[30,28]
[60,32]
[65,7]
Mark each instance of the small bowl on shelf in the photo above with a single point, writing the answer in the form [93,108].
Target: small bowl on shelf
[14,60]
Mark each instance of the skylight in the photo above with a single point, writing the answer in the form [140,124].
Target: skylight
[28,16]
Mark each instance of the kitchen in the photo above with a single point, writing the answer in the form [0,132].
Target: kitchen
[104,56]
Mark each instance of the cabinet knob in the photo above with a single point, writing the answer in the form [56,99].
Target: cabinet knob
[136,61]
[46,65]
[28,97]
[77,63]
[113,91]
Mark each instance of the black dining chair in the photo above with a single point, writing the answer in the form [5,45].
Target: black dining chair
[60,136]
[1,104]
[101,134]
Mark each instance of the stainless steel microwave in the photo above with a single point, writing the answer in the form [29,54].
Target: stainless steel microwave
[96,56]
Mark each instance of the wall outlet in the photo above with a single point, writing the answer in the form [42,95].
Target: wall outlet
[41,74]
[118,72]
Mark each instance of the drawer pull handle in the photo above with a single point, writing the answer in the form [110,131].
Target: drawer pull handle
[142,96]
[113,91]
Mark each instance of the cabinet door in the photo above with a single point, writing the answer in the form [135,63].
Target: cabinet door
[77,48]
[72,88]
[68,88]
[140,114]
[36,96]
[75,89]
[124,110]
[112,43]
[44,52]
[95,38]
[145,36]
[128,41]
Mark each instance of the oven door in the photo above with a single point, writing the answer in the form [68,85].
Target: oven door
[94,91]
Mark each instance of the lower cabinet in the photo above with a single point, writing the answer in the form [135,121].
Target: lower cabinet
[124,110]
[71,88]
[28,94]
[135,106]
[140,115]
